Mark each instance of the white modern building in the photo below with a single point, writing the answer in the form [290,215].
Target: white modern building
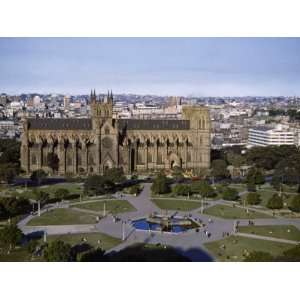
[268,136]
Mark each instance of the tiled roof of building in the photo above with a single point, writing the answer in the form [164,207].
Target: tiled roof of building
[60,124]
[150,124]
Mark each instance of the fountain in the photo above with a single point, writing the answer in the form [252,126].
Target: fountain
[165,223]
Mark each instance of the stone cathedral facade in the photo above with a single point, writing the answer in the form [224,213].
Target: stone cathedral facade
[91,145]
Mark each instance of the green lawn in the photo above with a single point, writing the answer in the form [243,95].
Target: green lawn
[266,195]
[238,187]
[236,248]
[16,255]
[176,204]
[229,212]
[62,216]
[287,232]
[106,241]
[112,206]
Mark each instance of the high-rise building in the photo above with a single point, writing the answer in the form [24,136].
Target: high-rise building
[268,136]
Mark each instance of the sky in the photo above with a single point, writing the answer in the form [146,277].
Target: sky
[161,66]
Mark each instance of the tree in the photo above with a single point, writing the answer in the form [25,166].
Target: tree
[276,182]
[13,206]
[53,161]
[61,194]
[41,196]
[287,170]
[8,172]
[219,168]
[255,176]
[92,255]
[161,185]
[203,188]
[259,256]
[38,176]
[115,175]
[253,198]
[275,202]
[10,151]
[31,246]
[234,159]
[58,251]
[98,185]
[181,189]
[10,236]
[295,204]
[3,212]
[230,194]
[134,189]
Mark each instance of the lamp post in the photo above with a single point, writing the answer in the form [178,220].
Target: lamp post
[39,208]
[123,231]
[104,209]
[202,206]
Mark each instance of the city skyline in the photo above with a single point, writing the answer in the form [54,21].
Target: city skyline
[160,66]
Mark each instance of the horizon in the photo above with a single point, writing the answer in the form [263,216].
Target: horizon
[186,67]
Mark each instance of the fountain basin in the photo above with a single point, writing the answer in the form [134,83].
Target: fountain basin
[165,224]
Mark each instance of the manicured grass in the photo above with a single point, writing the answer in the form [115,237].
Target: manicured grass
[19,254]
[176,204]
[62,216]
[112,206]
[265,195]
[287,232]
[239,187]
[237,248]
[106,241]
[229,212]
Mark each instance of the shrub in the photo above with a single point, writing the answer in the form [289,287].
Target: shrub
[275,202]
[161,185]
[230,194]
[58,251]
[295,204]
[135,189]
[182,189]
[253,198]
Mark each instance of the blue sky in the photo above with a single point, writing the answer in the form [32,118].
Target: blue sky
[166,66]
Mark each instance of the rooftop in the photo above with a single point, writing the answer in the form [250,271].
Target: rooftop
[60,124]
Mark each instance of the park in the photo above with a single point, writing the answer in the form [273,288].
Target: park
[158,216]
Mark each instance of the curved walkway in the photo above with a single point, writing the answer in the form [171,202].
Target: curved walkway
[189,243]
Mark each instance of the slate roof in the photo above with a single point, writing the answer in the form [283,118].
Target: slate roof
[150,124]
[60,124]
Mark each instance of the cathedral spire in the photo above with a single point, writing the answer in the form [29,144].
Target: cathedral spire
[111,96]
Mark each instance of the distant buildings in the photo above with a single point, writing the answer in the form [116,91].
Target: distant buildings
[268,136]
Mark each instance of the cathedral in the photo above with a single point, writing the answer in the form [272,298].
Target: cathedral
[92,145]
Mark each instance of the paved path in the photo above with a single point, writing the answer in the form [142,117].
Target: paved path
[190,243]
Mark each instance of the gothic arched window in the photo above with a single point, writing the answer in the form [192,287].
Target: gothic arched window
[91,159]
[79,159]
[69,160]
[33,159]
[106,130]
[189,157]
[149,157]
